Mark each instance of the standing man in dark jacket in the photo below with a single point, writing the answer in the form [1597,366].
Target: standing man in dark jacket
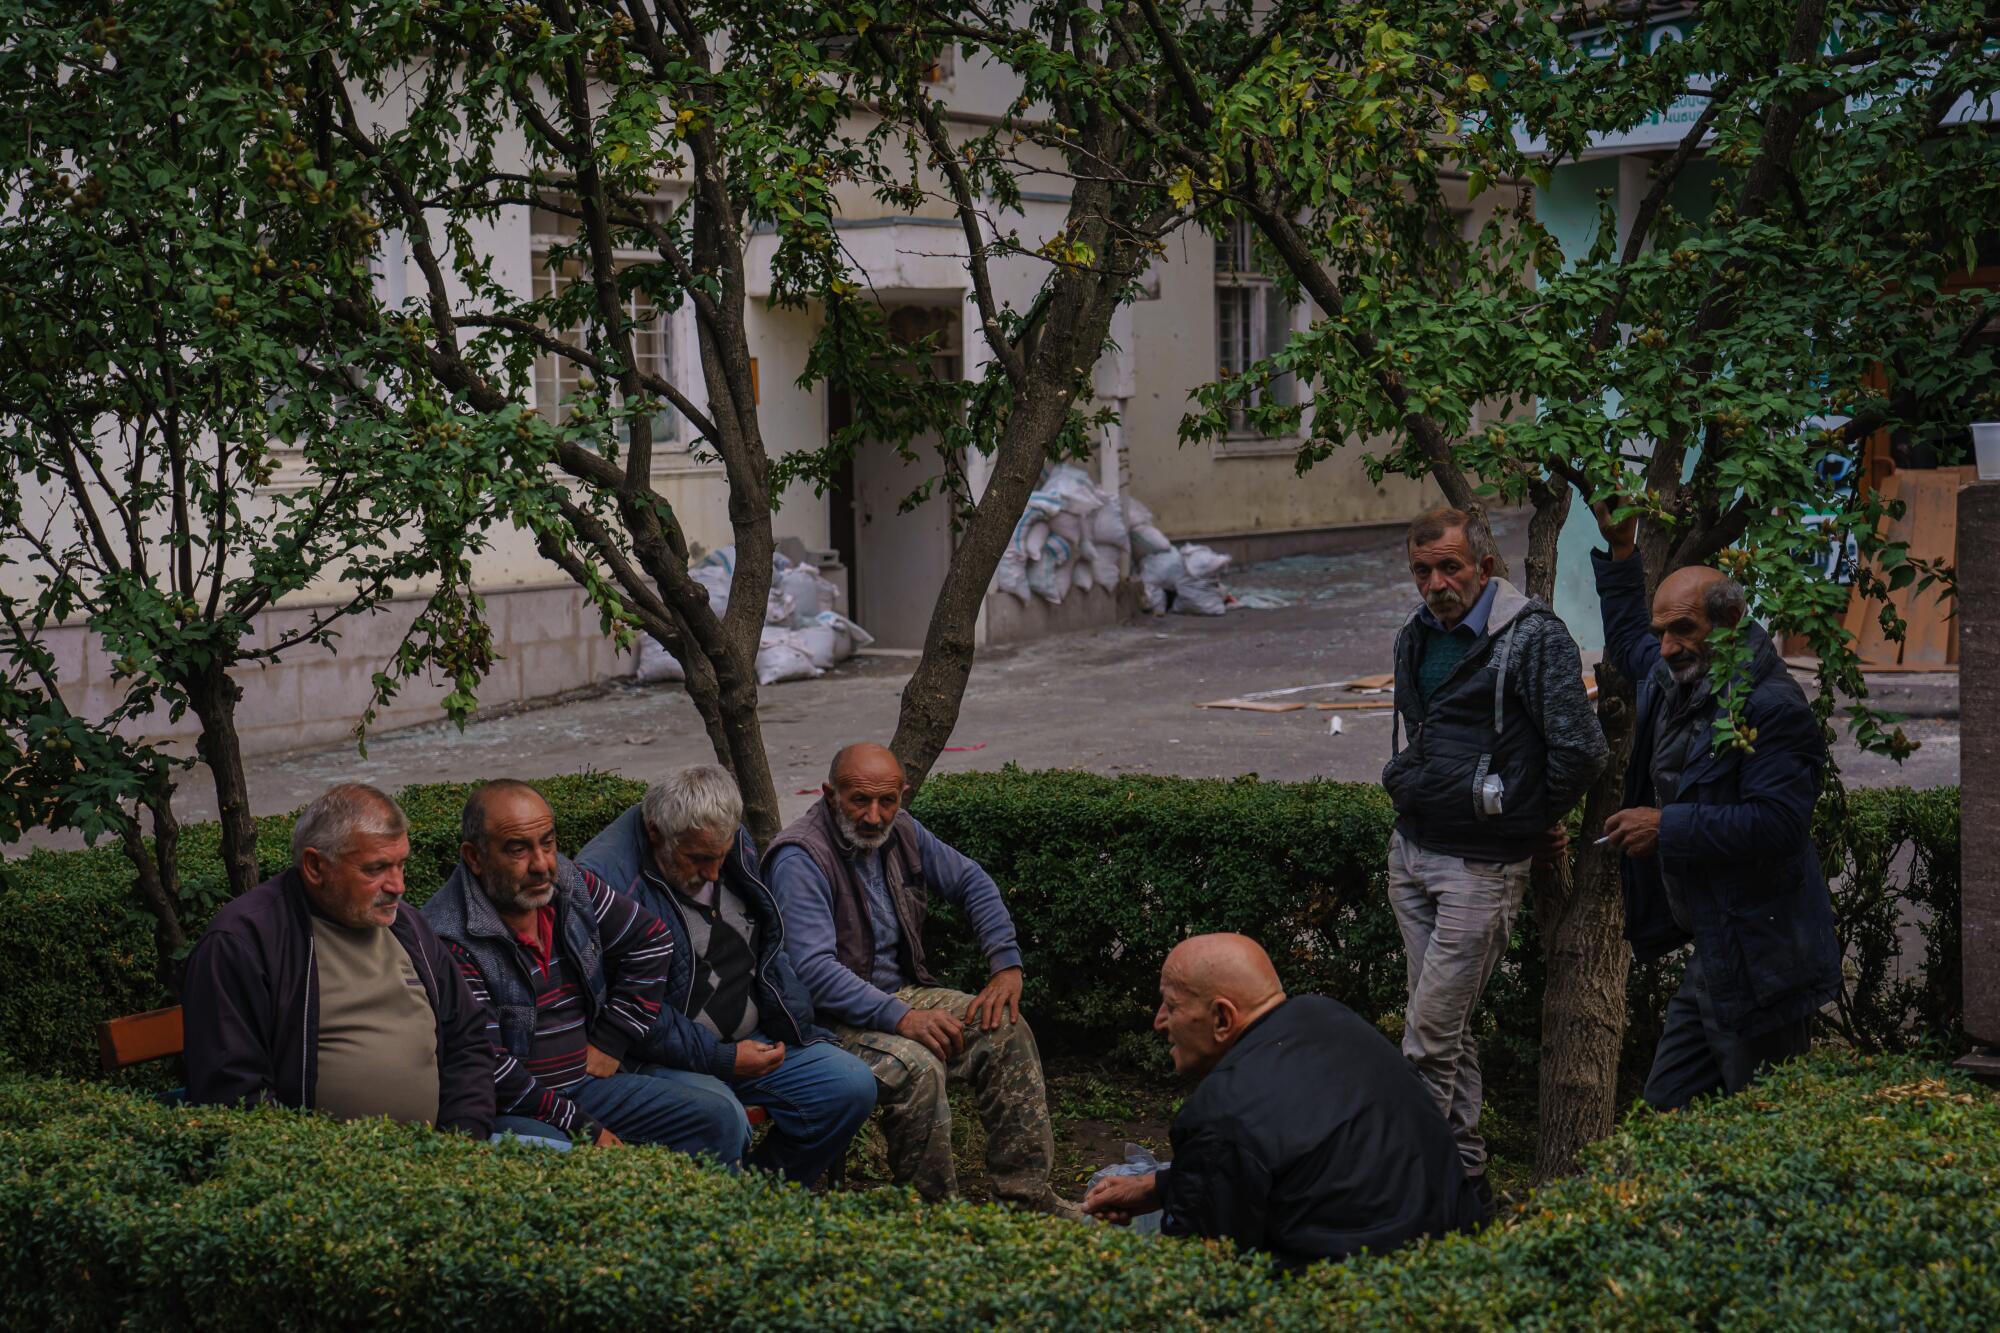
[572,975]
[736,1019]
[1502,743]
[1309,1137]
[1717,844]
[322,990]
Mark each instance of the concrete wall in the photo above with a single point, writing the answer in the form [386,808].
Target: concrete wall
[546,637]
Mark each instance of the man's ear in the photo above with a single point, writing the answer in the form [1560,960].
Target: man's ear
[827,794]
[1223,1013]
[1487,564]
[312,867]
[469,854]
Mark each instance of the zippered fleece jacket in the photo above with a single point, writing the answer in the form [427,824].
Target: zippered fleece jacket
[1515,706]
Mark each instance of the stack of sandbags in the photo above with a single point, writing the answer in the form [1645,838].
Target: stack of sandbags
[1070,535]
[803,634]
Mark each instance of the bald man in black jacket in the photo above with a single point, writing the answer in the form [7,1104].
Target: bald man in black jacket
[1309,1137]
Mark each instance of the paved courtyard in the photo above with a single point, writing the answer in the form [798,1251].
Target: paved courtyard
[1114,700]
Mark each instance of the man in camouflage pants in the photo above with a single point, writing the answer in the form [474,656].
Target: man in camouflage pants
[853,877]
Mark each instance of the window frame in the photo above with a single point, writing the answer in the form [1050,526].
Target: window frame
[1241,276]
[673,448]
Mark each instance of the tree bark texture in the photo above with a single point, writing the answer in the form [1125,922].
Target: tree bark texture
[156,879]
[1073,332]
[213,695]
[1580,913]
[1582,922]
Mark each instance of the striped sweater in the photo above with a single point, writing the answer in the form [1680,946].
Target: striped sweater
[635,949]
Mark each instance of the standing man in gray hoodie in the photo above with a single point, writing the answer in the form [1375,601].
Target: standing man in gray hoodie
[1501,742]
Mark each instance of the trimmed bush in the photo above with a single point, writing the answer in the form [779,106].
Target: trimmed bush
[1841,1192]
[1103,876]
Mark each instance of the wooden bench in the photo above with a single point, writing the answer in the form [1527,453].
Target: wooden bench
[156,1034]
[138,1038]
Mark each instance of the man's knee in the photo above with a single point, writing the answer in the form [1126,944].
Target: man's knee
[713,1120]
[850,1091]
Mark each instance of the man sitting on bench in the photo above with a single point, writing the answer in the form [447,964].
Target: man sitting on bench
[321,990]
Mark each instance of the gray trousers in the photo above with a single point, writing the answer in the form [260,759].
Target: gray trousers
[1456,916]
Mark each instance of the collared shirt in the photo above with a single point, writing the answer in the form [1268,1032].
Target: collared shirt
[1473,622]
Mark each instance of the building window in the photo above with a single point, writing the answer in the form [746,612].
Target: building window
[559,380]
[1252,320]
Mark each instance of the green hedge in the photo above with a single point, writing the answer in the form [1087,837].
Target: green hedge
[1103,876]
[1840,1193]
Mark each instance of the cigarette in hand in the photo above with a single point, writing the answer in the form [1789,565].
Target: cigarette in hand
[1601,841]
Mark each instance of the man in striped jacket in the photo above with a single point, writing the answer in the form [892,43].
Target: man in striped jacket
[572,976]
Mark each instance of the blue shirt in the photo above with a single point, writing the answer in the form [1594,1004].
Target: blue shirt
[806,900]
[1473,620]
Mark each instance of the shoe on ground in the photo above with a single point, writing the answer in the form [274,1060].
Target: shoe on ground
[1051,1204]
[1483,1188]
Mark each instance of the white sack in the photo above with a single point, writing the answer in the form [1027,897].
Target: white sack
[1202,562]
[783,656]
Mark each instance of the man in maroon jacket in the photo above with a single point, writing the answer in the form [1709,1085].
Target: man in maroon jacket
[320,989]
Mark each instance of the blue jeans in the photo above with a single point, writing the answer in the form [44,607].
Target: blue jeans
[654,1105]
[817,1099]
[529,1131]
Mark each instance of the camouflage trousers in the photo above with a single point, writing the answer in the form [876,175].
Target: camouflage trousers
[1005,1071]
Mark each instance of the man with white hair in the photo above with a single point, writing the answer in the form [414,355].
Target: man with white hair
[322,990]
[735,1021]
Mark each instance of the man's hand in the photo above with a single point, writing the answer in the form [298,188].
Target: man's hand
[1119,1199]
[1000,998]
[1555,841]
[754,1059]
[596,1063]
[1623,537]
[606,1139]
[935,1030]
[1635,832]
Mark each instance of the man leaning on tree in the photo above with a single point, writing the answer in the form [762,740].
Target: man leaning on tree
[1501,742]
[854,876]
[1717,842]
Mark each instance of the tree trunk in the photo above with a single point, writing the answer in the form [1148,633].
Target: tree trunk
[213,695]
[156,879]
[1580,910]
[1079,319]
[1582,923]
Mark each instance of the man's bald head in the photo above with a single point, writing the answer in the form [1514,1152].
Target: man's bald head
[1212,988]
[864,759]
[1690,603]
[865,788]
[1233,967]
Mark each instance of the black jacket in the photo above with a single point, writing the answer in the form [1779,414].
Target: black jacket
[1737,837]
[1314,1139]
[251,1009]
[1516,706]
